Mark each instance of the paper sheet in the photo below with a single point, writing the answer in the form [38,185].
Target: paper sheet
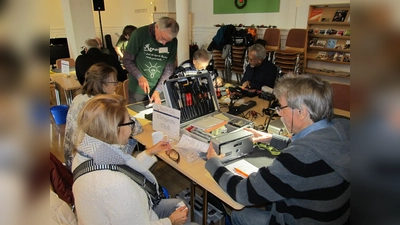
[143,112]
[189,143]
[238,102]
[243,165]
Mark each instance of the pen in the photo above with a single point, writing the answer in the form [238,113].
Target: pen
[241,172]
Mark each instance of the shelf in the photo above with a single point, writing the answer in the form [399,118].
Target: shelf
[328,61]
[329,36]
[330,23]
[329,49]
[330,74]
[327,13]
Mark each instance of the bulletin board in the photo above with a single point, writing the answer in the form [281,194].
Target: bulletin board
[245,6]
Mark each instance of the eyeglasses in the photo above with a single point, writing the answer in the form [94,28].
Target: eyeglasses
[173,155]
[112,82]
[279,108]
[131,123]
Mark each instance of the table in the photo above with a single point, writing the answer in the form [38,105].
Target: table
[196,171]
[68,83]
[264,104]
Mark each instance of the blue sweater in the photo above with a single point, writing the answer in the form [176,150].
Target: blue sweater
[308,183]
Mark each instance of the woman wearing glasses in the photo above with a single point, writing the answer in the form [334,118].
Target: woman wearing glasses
[99,79]
[105,196]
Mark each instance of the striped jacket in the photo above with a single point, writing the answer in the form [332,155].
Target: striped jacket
[308,183]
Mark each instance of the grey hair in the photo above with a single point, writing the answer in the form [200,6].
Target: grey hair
[92,43]
[308,90]
[165,23]
[260,51]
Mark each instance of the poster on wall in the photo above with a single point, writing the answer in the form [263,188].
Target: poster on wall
[245,6]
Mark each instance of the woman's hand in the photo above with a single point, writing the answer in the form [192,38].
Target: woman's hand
[211,153]
[179,216]
[144,84]
[161,146]
[259,136]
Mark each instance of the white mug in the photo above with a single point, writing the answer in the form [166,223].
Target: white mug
[158,136]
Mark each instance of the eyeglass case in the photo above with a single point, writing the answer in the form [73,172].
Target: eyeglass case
[196,98]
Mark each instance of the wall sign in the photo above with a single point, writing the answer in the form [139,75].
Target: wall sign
[245,6]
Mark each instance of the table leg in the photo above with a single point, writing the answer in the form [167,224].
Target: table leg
[57,92]
[68,96]
[192,194]
[205,206]
[71,96]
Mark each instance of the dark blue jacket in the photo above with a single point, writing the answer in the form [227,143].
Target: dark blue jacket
[262,75]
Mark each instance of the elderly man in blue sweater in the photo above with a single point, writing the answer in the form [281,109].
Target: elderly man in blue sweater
[309,182]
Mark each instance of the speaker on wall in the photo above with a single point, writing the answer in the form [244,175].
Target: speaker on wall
[98,5]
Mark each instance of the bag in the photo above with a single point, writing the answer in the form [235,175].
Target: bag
[242,38]
[146,185]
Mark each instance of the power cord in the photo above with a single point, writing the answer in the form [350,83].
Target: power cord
[252,115]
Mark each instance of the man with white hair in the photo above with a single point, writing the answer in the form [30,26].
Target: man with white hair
[94,55]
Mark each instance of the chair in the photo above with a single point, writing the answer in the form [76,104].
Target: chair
[219,63]
[70,60]
[291,58]
[341,96]
[238,56]
[273,38]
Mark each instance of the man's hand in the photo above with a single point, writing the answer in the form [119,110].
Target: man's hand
[246,84]
[259,136]
[156,97]
[211,153]
[144,84]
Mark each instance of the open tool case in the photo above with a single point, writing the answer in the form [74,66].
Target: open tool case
[196,98]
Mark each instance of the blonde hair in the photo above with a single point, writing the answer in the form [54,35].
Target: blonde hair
[100,117]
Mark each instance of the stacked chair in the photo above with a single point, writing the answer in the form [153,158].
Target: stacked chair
[221,64]
[291,59]
[237,58]
[272,36]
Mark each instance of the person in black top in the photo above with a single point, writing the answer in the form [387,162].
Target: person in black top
[260,72]
[94,55]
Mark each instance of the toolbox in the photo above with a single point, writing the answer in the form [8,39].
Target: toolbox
[196,98]
[214,215]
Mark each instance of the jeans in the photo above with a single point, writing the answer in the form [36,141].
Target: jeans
[250,216]
[166,207]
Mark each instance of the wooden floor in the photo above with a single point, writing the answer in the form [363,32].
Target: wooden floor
[167,176]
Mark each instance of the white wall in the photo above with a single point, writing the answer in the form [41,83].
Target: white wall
[118,13]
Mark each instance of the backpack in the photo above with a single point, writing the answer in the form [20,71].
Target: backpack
[242,38]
